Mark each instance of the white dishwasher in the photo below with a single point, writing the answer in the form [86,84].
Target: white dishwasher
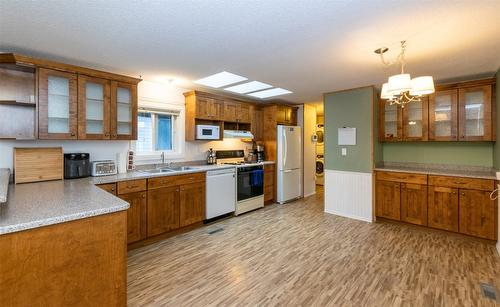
[220,192]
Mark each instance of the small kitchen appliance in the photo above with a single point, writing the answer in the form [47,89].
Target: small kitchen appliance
[207,132]
[76,165]
[103,168]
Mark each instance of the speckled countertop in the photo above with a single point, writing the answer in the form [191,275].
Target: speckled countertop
[32,205]
[4,184]
[439,169]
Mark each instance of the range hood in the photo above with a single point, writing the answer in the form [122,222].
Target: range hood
[238,134]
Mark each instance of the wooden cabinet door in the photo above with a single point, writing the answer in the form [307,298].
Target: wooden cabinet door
[257,125]
[443,115]
[162,210]
[415,120]
[203,106]
[94,108]
[244,113]
[414,203]
[442,208]
[388,199]
[123,112]
[391,122]
[136,216]
[192,203]
[474,109]
[281,115]
[231,111]
[477,214]
[217,109]
[293,116]
[57,105]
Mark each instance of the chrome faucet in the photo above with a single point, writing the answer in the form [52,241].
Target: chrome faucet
[162,157]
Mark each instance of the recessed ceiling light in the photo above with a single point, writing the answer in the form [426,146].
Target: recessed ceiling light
[248,87]
[270,93]
[221,79]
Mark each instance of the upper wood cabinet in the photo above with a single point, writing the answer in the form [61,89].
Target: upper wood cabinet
[209,108]
[258,124]
[237,112]
[57,104]
[123,111]
[456,112]
[94,108]
[286,115]
[474,111]
[76,102]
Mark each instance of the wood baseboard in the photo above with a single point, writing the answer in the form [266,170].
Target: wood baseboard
[163,236]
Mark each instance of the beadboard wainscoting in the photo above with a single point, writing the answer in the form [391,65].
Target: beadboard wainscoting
[349,194]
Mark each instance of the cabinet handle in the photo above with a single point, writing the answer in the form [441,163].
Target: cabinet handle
[73,134]
[177,190]
[113,189]
[115,135]
[463,194]
[132,186]
[106,134]
[143,195]
[453,192]
[191,178]
[459,182]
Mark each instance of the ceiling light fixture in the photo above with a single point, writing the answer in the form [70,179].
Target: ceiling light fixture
[220,79]
[248,87]
[401,89]
[270,93]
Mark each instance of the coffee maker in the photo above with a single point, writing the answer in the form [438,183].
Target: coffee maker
[258,152]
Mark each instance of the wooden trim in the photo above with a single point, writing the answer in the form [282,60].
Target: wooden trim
[163,236]
[17,59]
[401,177]
[43,105]
[462,84]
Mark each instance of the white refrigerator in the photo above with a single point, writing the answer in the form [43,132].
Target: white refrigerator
[289,163]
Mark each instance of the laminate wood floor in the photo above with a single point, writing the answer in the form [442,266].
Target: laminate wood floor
[295,254]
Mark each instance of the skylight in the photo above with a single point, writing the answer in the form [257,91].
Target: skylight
[221,79]
[270,93]
[248,87]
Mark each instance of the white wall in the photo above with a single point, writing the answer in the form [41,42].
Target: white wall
[309,150]
[150,93]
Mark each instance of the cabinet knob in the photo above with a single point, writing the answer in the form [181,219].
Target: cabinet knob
[114,135]
[143,195]
[106,134]
[73,134]
[453,192]
[463,194]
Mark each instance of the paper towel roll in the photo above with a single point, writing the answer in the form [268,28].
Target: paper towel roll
[121,161]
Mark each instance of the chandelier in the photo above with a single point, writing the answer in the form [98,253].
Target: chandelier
[401,89]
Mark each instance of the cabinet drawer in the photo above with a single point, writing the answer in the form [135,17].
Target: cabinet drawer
[168,181]
[462,183]
[108,187]
[131,186]
[402,177]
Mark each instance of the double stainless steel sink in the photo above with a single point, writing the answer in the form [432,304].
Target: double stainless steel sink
[164,169]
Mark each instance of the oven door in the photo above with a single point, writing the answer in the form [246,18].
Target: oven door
[250,182]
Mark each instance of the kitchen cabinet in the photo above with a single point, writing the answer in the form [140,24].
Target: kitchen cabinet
[94,108]
[458,204]
[286,115]
[442,208]
[477,215]
[258,124]
[388,199]
[108,187]
[462,111]
[414,203]
[209,108]
[123,111]
[136,216]
[236,112]
[57,104]
[162,210]
[443,115]
[269,178]
[192,203]
[474,111]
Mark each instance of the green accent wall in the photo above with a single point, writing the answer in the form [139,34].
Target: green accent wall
[462,153]
[351,108]
[496,147]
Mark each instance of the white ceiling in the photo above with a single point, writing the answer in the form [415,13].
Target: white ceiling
[309,47]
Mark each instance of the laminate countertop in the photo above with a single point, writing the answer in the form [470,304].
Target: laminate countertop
[33,205]
[440,170]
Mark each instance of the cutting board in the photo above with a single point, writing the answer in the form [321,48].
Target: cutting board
[38,164]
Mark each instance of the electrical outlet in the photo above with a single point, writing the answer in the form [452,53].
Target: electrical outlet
[344,152]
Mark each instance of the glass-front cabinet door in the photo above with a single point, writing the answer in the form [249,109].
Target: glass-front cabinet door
[123,111]
[443,116]
[475,113]
[93,108]
[415,120]
[391,128]
[58,104]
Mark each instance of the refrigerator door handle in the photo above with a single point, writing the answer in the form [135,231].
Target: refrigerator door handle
[284,143]
[287,171]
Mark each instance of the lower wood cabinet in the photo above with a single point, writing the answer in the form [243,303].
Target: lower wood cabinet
[269,176]
[477,215]
[414,203]
[442,208]
[136,216]
[163,210]
[192,203]
[388,199]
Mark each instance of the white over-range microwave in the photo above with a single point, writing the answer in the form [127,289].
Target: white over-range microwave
[207,132]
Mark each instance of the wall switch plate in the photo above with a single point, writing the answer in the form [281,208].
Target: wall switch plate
[344,152]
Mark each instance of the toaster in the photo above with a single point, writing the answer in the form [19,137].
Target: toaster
[103,168]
